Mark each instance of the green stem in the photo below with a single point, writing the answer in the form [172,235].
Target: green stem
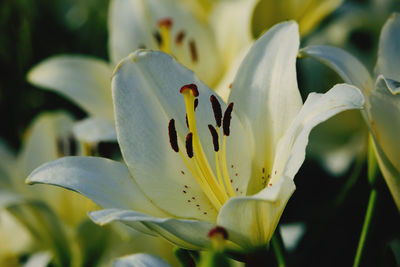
[366,226]
[278,248]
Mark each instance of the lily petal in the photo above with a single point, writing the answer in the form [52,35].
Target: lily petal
[224,86]
[317,108]
[231,23]
[41,142]
[388,62]
[39,259]
[146,96]
[385,126]
[266,91]
[307,13]
[189,234]
[343,63]
[262,212]
[95,129]
[140,260]
[129,28]
[384,119]
[390,173]
[84,80]
[108,183]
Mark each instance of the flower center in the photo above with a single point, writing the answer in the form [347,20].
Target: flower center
[216,185]
[163,37]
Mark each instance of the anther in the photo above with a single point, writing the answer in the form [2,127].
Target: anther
[214,135]
[189,145]
[166,22]
[158,38]
[192,87]
[196,103]
[193,51]
[218,231]
[216,106]
[227,119]
[173,138]
[179,37]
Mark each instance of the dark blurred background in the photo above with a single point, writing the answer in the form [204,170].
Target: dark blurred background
[332,207]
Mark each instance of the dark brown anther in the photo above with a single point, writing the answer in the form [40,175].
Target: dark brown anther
[218,230]
[189,145]
[196,103]
[193,51]
[173,138]
[192,87]
[158,38]
[216,106]
[179,37]
[167,22]
[227,119]
[214,135]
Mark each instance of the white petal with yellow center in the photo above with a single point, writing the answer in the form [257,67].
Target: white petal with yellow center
[146,92]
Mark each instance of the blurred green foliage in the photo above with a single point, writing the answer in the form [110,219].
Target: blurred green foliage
[32,30]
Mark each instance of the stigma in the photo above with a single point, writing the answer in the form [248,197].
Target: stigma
[217,184]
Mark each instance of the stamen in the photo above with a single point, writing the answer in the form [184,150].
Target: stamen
[216,106]
[165,22]
[173,138]
[196,103]
[179,37]
[189,145]
[165,31]
[214,135]
[199,165]
[218,236]
[227,119]
[193,51]
[192,87]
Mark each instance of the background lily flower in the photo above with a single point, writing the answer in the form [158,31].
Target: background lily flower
[168,25]
[382,101]
[51,219]
[209,38]
[240,176]
[341,142]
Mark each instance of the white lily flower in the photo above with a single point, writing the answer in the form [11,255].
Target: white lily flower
[168,26]
[382,98]
[240,177]
[48,138]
